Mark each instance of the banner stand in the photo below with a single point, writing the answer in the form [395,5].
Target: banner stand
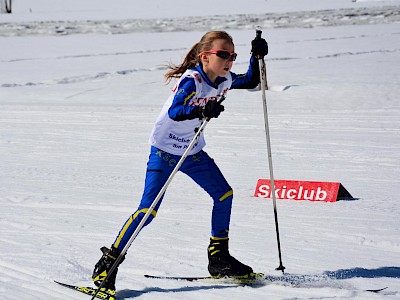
[343,194]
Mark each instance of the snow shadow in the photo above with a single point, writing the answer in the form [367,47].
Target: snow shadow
[391,272]
[125,294]
[327,277]
[280,88]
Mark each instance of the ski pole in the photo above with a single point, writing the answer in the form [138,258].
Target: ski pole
[156,200]
[263,78]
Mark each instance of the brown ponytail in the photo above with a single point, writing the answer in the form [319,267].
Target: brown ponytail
[192,57]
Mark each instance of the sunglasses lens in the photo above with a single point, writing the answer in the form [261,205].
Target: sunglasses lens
[227,55]
[223,54]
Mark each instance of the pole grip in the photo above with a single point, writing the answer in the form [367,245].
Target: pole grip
[219,100]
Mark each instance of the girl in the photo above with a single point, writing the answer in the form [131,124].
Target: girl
[203,76]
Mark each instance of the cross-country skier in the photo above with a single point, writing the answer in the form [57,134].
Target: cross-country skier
[204,76]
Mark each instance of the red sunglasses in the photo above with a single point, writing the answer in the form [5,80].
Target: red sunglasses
[224,54]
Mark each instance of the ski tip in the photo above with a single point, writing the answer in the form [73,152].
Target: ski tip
[377,290]
[103,293]
[61,283]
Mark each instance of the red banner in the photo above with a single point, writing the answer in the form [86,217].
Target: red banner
[299,190]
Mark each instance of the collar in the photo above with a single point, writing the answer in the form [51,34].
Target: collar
[218,81]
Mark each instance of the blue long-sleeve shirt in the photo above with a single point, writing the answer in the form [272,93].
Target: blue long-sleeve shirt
[180,110]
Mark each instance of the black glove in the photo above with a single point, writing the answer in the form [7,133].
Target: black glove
[259,47]
[212,109]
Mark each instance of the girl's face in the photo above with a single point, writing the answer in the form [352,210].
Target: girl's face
[215,66]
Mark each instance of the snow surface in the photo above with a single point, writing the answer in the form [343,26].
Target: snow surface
[76,109]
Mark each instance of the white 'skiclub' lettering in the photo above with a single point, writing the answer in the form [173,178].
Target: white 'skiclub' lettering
[283,193]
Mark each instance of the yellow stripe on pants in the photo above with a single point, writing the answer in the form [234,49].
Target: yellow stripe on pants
[129,222]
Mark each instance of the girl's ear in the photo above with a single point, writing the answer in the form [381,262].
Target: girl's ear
[203,58]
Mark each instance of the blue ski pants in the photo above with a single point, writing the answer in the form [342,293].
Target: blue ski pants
[203,170]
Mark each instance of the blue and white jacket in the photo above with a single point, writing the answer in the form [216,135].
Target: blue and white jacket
[175,125]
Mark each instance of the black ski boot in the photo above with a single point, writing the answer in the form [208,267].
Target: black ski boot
[104,265]
[221,263]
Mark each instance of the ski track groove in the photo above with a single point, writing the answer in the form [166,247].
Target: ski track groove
[104,75]
[328,17]
[150,51]
[94,55]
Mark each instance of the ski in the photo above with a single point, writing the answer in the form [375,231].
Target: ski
[183,278]
[102,294]
[377,290]
[255,279]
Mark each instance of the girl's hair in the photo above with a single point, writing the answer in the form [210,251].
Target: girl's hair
[192,57]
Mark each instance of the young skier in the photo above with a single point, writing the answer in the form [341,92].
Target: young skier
[204,76]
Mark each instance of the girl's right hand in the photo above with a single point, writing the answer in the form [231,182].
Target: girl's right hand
[212,109]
